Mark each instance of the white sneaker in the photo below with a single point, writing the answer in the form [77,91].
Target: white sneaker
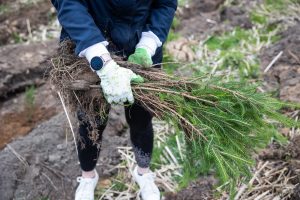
[148,189]
[86,187]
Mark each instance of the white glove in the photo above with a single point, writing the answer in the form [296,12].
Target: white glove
[116,83]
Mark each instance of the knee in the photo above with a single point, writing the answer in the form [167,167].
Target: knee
[138,118]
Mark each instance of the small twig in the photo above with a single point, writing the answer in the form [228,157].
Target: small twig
[294,56]
[21,158]
[70,123]
[29,28]
[106,191]
[54,171]
[47,177]
[273,61]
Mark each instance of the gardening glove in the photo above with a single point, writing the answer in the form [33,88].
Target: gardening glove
[141,57]
[145,49]
[115,80]
[115,83]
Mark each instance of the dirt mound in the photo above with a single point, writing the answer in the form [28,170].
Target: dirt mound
[202,19]
[277,152]
[198,18]
[236,16]
[201,189]
[46,160]
[201,6]
[284,75]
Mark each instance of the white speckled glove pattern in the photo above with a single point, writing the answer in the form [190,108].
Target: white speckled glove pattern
[116,83]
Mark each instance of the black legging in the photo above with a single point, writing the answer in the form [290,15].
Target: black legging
[141,135]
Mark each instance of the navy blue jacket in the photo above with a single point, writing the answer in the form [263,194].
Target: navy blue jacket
[88,22]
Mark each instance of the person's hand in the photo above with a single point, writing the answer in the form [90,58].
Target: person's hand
[116,83]
[141,57]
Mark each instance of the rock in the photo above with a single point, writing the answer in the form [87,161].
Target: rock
[23,65]
[51,157]
[61,146]
[54,158]
[117,122]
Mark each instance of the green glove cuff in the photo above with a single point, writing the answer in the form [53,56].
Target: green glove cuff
[141,57]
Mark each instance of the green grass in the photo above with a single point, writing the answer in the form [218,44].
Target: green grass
[236,50]
[276,4]
[17,38]
[4,9]
[30,96]
[30,101]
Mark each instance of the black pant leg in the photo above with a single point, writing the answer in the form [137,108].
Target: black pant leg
[89,143]
[141,133]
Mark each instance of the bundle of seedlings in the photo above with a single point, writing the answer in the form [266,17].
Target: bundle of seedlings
[223,122]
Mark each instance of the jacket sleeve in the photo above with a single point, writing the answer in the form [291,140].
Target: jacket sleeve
[74,17]
[161,17]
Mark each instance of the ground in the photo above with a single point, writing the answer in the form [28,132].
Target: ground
[36,145]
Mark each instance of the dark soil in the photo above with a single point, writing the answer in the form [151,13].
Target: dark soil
[204,18]
[201,189]
[14,23]
[284,76]
[194,18]
[236,16]
[201,6]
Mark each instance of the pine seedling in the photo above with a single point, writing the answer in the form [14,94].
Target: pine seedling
[223,123]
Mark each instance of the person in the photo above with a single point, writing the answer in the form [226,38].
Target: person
[137,30]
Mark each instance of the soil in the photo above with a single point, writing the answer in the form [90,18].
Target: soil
[196,24]
[45,159]
[284,75]
[201,189]
[202,6]
[202,19]
[236,16]
[18,117]
[14,23]
[14,125]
